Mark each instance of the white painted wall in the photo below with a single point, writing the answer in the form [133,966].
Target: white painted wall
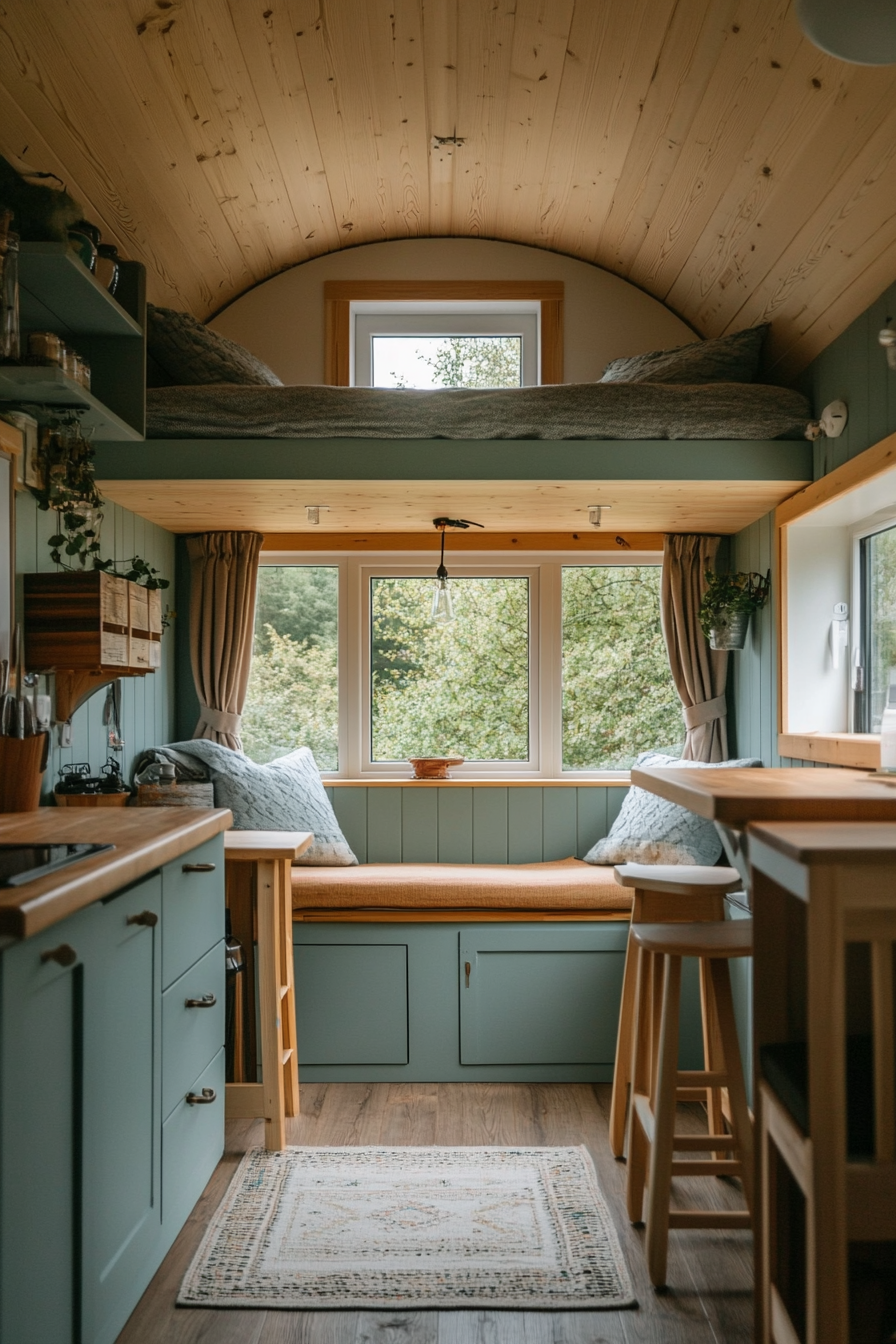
[282,320]
[818,575]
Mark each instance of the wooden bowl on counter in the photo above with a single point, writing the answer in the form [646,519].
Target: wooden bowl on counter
[433,767]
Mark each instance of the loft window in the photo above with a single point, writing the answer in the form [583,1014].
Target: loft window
[548,666]
[445,344]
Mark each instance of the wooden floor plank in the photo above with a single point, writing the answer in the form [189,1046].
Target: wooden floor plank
[710,1273]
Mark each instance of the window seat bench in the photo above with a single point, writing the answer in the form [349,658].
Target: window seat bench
[562,889]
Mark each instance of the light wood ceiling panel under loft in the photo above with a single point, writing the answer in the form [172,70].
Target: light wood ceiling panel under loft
[502,506]
[701,148]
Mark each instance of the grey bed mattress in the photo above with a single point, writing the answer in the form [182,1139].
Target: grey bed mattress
[565,411]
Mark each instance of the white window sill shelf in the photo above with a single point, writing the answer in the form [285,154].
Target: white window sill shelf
[619,779]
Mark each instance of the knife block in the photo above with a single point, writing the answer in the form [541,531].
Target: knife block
[22,765]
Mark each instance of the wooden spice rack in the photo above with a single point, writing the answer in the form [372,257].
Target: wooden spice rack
[90,629]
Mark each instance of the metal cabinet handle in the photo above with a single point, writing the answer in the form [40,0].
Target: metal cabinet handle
[198,868]
[146,917]
[208,1096]
[207,1001]
[467,974]
[63,955]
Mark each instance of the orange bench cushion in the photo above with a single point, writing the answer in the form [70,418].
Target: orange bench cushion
[567,884]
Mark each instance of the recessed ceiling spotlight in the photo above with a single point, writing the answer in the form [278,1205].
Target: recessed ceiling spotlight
[313,511]
[595,512]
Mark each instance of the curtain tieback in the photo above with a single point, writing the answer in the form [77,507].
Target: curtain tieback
[696,715]
[222,720]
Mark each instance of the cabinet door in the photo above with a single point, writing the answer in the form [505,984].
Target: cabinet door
[121,1205]
[40,1054]
[548,995]
[352,1003]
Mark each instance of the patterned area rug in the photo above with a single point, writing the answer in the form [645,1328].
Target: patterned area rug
[414,1228]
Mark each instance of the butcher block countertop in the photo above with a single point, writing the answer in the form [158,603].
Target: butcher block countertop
[144,839]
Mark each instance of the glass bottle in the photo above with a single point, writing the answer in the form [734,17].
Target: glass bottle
[10,342]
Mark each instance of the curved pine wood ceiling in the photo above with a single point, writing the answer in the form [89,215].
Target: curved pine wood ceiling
[702,149]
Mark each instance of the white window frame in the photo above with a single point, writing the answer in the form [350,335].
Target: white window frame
[545,643]
[879,522]
[443,317]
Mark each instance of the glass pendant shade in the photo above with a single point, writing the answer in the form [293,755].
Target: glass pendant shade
[442,605]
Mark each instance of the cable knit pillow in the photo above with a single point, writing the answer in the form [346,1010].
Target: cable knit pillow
[726,359]
[284,795]
[189,353]
[650,830]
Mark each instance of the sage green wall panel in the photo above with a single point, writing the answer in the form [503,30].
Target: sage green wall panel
[560,823]
[352,1003]
[384,825]
[147,703]
[615,799]
[350,806]
[525,825]
[591,817]
[490,825]
[419,824]
[455,827]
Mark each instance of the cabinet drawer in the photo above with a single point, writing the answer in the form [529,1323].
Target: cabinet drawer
[192,1143]
[191,1036]
[192,907]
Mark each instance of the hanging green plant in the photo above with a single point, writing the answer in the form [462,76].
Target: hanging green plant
[728,603]
[138,571]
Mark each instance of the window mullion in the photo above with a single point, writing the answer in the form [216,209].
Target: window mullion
[550,669]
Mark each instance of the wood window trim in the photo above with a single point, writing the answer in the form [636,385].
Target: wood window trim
[859,750]
[340,294]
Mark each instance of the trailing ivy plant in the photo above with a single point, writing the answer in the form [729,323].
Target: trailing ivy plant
[138,571]
[725,593]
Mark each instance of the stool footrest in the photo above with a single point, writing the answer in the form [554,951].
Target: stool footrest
[702,1078]
[711,1167]
[700,1218]
[701,1143]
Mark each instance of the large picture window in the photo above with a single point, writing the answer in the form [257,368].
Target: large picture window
[548,667]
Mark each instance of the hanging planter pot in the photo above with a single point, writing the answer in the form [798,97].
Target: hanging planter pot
[728,602]
[729,630]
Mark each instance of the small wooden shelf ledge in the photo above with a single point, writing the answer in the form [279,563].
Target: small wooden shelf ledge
[860,750]
[620,781]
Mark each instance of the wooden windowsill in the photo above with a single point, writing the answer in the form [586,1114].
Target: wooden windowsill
[621,781]
[860,750]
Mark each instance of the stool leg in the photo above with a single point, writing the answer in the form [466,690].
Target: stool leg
[622,1071]
[659,1183]
[269,963]
[636,1176]
[737,1096]
[712,1051]
[288,1000]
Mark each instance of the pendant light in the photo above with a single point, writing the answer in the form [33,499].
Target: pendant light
[442,604]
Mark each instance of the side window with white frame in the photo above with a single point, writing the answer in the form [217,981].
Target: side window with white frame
[448,343]
[548,667]
[875,567]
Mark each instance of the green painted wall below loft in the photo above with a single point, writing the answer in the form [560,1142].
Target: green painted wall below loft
[147,703]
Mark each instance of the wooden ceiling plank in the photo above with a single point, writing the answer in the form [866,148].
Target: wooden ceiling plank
[514,507]
[858,212]
[397,84]
[268,45]
[332,47]
[540,41]
[758,47]
[485,44]
[440,20]
[808,140]
[625,46]
[67,80]
[690,51]
[198,62]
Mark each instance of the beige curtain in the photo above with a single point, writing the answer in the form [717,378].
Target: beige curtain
[699,673]
[223,573]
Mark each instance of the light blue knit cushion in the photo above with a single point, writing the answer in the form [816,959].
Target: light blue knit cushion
[650,830]
[284,795]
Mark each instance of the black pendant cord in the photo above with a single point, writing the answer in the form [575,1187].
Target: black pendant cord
[441,572]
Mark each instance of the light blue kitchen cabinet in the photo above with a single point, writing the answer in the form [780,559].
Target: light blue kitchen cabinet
[96,1176]
[40,1077]
[369,1024]
[121,1197]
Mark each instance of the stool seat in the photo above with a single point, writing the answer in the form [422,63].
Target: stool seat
[678,879]
[728,938]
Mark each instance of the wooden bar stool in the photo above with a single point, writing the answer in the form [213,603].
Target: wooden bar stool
[658,1085]
[665,892]
[271,854]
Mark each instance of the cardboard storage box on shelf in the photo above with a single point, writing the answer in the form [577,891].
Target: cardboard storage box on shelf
[176,795]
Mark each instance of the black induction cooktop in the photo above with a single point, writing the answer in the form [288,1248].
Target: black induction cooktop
[25,863]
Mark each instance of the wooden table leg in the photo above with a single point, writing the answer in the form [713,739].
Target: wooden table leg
[270,1005]
[287,991]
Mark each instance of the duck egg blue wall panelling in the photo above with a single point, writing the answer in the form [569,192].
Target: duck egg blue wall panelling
[479,824]
[147,703]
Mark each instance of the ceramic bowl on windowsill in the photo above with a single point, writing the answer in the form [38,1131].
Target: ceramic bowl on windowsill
[433,767]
